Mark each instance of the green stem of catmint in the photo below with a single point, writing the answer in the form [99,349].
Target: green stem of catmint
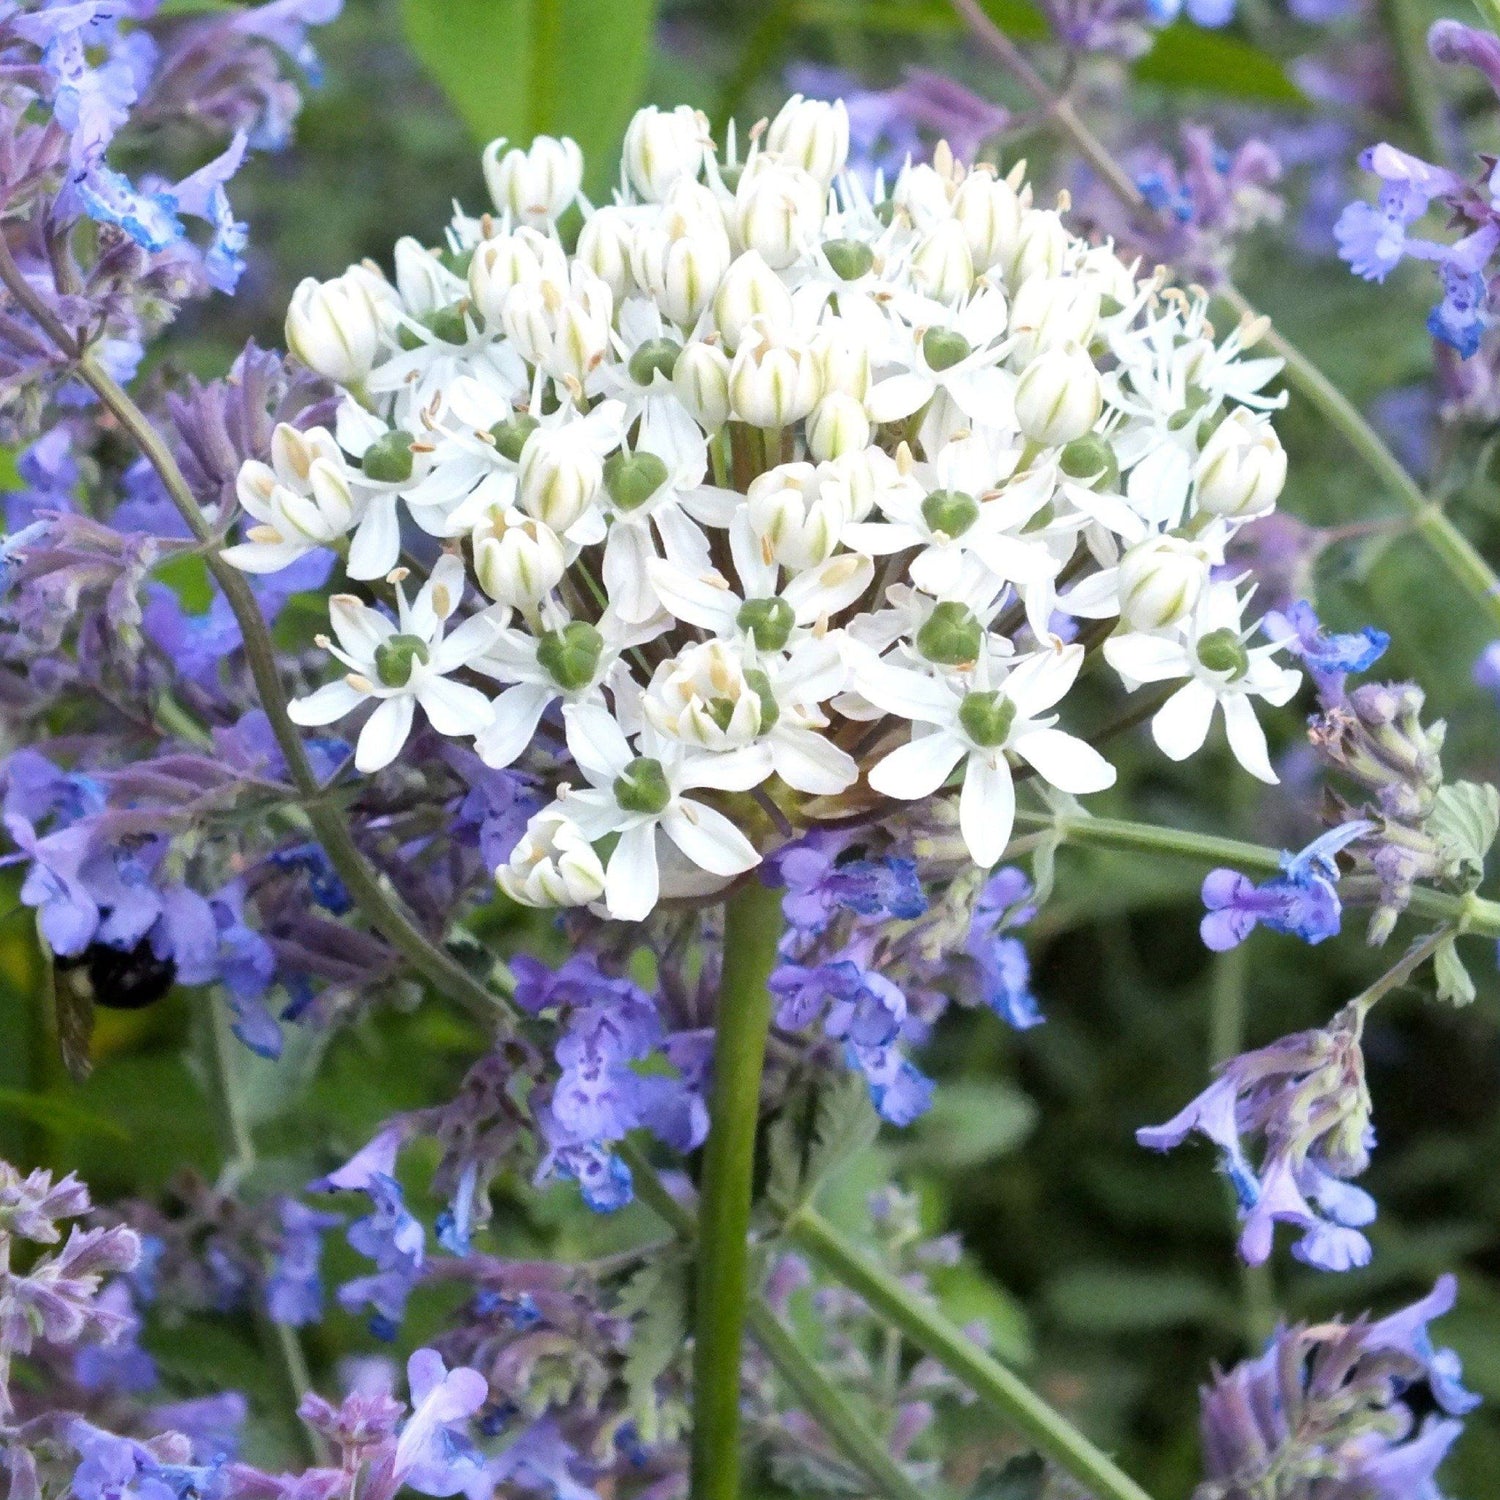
[752,925]
[1005,1393]
[1478,916]
[824,1404]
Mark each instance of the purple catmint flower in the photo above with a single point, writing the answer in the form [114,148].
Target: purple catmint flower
[1454,43]
[294,1289]
[1303,901]
[392,1237]
[433,1455]
[1332,1410]
[1329,657]
[820,882]
[1305,1098]
[32,1207]
[117,1365]
[1487,669]
[1119,27]
[211,1424]
[541,1460]
[116,1468]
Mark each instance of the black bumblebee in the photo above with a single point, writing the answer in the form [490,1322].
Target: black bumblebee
[115,978]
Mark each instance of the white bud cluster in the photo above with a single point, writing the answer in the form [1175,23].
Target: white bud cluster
[771,487]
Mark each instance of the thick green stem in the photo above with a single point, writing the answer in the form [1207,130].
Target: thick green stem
[921,1322]
[822,1401]
[1469,913]
[751,927]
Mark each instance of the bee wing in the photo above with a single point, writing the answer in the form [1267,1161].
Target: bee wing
[72,1004]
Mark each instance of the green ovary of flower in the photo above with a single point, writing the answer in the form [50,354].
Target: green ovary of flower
[510,436]
[943,348]
[987,718]
[642,786]
[396,658]
[769,622]
[950,512]
[388,459]
[654,357]
[633,478]
[850,259]
[951,635]
[1223,651]
[570,656]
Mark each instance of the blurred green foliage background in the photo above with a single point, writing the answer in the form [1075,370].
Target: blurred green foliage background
[1107,1272]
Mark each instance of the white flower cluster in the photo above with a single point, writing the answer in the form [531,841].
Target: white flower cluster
[770,485]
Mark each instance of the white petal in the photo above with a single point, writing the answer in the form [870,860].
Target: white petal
[730,771]
[359,628]
[830,588]
[709,839]
[516,713]
[919,768]
[627,581]
[384,734]
[1139,657]
[376,545]
[327,704]
[807,761]
[264,557]
[454,708]
[694,598]
[1246,738]
[987,808]
[1039,681]
[1070,764]
[898,396]
[632,880]
[459,647]
[911,695]
[596,742]
[1181,723]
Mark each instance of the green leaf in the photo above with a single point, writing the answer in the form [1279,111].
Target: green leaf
[1189,58]
[1018,19]
[1464,821]
[844,1124]
[1105,1300]
[1453,982]
[1022,1478]
[57,1112]
[655,1298]
[971,1121]
[520,68]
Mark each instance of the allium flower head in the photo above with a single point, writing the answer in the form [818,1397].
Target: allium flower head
[759,505]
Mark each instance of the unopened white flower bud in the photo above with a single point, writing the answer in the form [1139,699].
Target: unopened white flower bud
[537,185]
[798,517]
[1041,246]
[522,258]
[1161,581]
[989,209]
[334,327]
[702,697]
[751,290]
[1058,396]
[860,479]
[680,260]
[425,283]
[844,359]
[1242,467]
[604,247]
[924,194]
[662,146]
[773,383]
[517,560]
[562,327]
[1048,311]
[559,477]
[1113,278]
[701,380]
[942,265]
[552,864]
[812,134]
[778,210]
[837,425]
